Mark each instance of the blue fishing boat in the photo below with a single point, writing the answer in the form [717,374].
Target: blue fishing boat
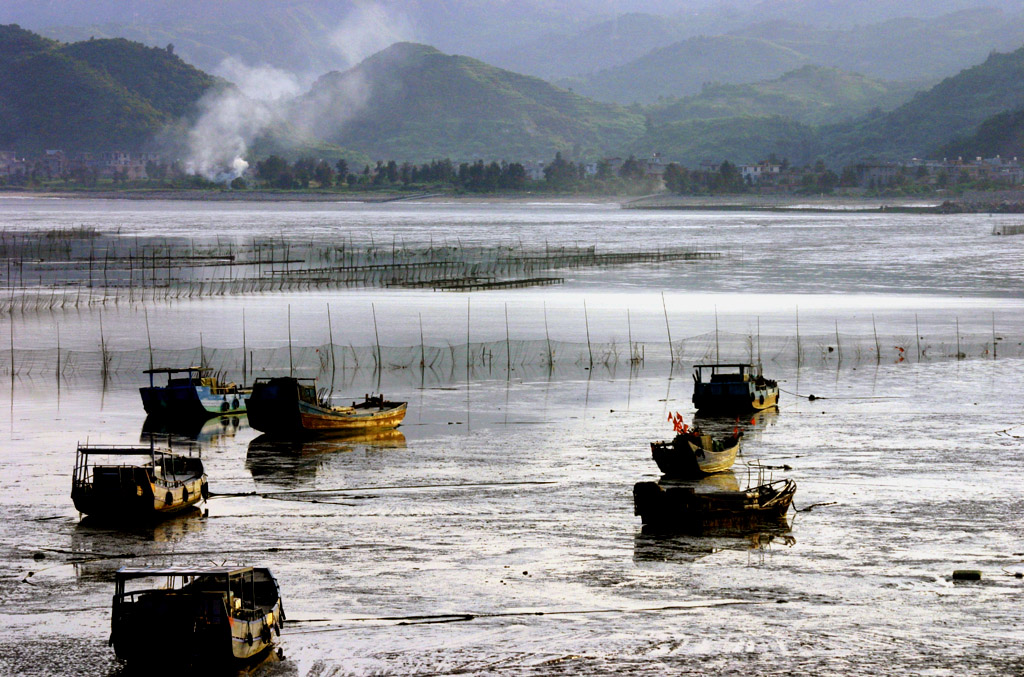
[733,389]
[191,393]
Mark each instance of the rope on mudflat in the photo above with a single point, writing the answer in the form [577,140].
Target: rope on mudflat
[458,617]
[341,490]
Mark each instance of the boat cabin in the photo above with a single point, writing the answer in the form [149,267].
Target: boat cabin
[727,373]
[733,388]
[196,377]
[216,612]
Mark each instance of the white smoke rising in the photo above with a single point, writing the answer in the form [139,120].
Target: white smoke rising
[263,83]
[367,29]
[232,118]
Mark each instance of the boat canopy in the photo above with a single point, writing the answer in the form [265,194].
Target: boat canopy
[177,370]
[87,450]
[128,573]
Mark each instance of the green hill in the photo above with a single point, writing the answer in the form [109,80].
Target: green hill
[812,95]
[1001,135]
[92,96]
[415,103]
[739,140]
[952,109]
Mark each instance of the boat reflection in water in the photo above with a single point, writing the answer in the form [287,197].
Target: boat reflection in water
[751,425]
[100,548]
[208,432]
[289,461]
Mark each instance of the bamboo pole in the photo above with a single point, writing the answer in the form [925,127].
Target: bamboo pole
[547,336]
[330,337]
[508,346]
[586,320]
[376,336]
[718,354]
[668,330]
[291,364]
[874,329]
[839,348]
[958,353]
[798,337]
[917,333]
[244,354]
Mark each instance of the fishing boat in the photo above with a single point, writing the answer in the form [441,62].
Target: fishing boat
[691,453]
[683,507]
[121,487]
[191,393]
[293,406]
[204,617]
[733,388]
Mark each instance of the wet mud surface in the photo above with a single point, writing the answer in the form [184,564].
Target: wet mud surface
[495,533]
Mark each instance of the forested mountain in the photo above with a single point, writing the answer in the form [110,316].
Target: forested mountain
[954,108]
[811,95]
[1001,135]
[413,102]
[98,95]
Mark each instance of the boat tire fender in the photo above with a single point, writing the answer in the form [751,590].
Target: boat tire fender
[265,633]
[204,491]
[224,405]
[248,638]
[234,403]
[184,495]
[762,400]
[169,498]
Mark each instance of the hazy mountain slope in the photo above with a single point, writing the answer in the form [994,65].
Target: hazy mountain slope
[106,95]
[898,49]
[604,45]
[953,108]
[682,68]
[812,95]
[412,102]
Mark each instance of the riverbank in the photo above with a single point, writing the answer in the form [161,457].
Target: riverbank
[973,202]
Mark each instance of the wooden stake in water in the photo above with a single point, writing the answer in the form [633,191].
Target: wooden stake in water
[874,329]
[839,348]
[798,337]
[917,333]
[629,334]
[467,339]
[202,354]
[423,350]
[244,354]
[508,347]
[993,336]
[376,336]
[586,320]
[718,354]
[759,341]
[291,365]
[547,336]
[668,330]
[958,353]
[58,355]
[330,337]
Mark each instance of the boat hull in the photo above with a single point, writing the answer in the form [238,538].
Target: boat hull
[190,402]
[683,457]
[275,407]
[734,398]
[682,508]
[139,501]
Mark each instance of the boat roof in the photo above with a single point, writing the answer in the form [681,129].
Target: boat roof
[125,573]
[176,370]
[737,365]
[122,450]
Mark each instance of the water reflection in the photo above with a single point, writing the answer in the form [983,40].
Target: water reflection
[210,431]
[100,547]
[286,461]
[751,425]
[658,545]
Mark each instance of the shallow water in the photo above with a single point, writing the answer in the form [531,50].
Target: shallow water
[496,534]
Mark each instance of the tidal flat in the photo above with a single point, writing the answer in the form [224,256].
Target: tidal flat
[494,532]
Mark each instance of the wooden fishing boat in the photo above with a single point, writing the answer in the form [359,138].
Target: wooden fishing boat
[204,617]
[292,406]
[191,393]
[163,484]
[681,506]
[733,389]
[691,453]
